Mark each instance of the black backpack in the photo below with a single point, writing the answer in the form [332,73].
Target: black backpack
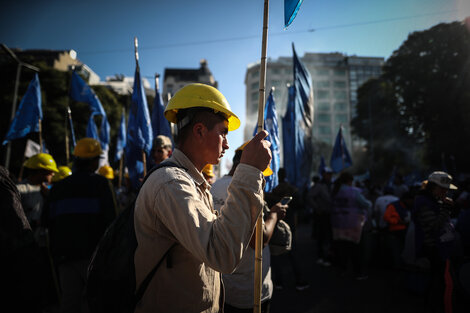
[111,283]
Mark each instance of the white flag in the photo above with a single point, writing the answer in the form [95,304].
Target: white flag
[32,148]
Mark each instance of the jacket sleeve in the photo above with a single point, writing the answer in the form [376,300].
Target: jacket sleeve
[217,240]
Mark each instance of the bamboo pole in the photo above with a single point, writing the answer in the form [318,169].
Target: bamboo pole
[259,223]
[40,136]
[121,166]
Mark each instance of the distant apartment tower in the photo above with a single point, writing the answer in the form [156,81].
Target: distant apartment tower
[336,78]
[176,78]
[124,85]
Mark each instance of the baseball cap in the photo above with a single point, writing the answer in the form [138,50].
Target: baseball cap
[442,179]
[162,141]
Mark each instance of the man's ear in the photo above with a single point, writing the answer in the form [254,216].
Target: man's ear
[199,131]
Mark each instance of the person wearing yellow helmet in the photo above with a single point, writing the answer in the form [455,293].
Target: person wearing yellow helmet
[79,210]
[208,172]
[34,189]
[64,171]
[106,171]
[174,205]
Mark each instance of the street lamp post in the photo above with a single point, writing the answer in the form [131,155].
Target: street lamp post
[15,94]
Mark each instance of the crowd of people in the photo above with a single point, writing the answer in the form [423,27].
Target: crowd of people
[53,219]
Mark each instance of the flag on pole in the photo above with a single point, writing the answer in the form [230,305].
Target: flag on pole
[160,124]
[32,148]
[139,131]
[291,8]
[340,158]
[297,127]
[80,91]
[271,126]
[121,137]
[28,114]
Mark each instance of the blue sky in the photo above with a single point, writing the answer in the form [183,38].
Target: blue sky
[178,33]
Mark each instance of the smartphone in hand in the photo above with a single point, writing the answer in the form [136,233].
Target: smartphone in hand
[286,200]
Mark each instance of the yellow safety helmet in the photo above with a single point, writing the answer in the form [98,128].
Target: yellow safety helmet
[200,95]
[64,171]
[87,148]
[268,171]
[106,171]
[208,170]
[41,161]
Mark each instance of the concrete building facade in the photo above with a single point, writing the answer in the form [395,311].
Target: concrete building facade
[335,77]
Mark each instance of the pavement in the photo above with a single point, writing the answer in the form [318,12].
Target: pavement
[385,290]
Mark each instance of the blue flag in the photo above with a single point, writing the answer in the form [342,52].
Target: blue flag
[121,137]
[160,124]
[291,7]
[297,127]
[80,91]
[28,114]
[340,158]
[139,132]
[271,126]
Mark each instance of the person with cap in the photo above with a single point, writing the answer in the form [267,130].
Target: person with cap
[208,172]
[174,211]
[40,170]
[79,209]
[239,284]
[161,150]
[436,238]
[319,199]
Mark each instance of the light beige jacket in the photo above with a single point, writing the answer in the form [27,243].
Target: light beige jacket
[175,205]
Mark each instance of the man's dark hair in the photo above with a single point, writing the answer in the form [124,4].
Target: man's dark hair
[82,164]
[206,116]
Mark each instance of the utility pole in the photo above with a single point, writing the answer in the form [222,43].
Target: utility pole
[15,94]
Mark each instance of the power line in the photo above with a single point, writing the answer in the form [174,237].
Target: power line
[310,30]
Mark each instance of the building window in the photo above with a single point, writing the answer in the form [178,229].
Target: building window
[341,118]
[323,84]
[323,94]
[340,72]
[322,72]
[340,94]
[340,106]
[323,106]
[255,73]
[255,85]
[254,96]
[339,84]
[324,130]
[324,118]
[276,71]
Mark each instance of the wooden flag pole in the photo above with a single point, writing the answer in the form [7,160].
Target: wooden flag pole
[121,166]
[67,144]
[259,223]
[40,136]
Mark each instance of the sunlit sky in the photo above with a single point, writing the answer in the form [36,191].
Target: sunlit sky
[179,33]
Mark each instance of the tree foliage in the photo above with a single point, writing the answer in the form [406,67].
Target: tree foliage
[420,105]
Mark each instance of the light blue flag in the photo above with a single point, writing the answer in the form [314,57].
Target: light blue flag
[121,137]
[271,126]
[160,124]
[139,132]
[291,8]
[340,158]
[28,114]
[298,123]
[80,91]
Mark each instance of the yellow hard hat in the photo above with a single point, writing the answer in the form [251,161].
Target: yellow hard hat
[106,171]
[64,171]
[41,161]
[200,95]
[208,170]
[268,171]
[87,148]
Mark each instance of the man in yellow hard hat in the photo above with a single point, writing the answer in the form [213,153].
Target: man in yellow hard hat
[64,171]
[208,172]
[106,171]
[40,169]
[174,211]
[79,210]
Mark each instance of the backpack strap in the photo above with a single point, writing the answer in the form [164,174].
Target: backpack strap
[143,286]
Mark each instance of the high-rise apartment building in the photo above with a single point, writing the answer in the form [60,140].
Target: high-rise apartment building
[336,78]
